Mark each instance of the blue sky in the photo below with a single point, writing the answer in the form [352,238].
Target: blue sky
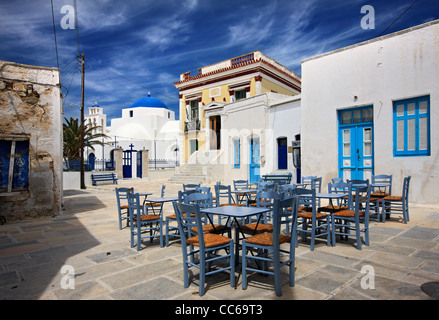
[134,47]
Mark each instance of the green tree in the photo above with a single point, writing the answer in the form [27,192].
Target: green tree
[72,138]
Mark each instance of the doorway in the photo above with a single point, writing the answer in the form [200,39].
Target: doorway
[355,146]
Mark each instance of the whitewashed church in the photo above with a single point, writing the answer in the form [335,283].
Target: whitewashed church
[146,125]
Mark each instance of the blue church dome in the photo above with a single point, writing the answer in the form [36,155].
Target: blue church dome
[149,102]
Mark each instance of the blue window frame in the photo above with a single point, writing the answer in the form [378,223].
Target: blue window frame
[236,154]
[411,127]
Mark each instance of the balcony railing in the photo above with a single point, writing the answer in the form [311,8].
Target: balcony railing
[192,125]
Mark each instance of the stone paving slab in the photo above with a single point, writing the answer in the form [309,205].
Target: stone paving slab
[86,236]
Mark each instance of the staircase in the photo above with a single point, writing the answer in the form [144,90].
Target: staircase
[188,173]
[195,170]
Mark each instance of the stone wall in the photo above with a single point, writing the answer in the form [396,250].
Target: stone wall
[31,110]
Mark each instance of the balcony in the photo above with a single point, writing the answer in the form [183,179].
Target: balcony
[192,125]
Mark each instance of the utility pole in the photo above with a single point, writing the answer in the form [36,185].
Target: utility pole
[82,122]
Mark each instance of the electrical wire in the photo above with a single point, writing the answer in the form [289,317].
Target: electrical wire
[54,35]
[398,18]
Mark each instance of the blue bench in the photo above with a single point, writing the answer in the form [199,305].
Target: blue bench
[278,178]
[103,177]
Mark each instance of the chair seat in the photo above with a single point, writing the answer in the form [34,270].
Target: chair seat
[261,227]
[153,204]
[308,215]
[333,208]
[125,207]
[174,217]
[209,228]
[379,194]
[347,213]
[233,204]
[147,217]
[210,240]
[266,239]
[393,198]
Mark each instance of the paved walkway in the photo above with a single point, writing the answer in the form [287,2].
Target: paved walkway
[86,237]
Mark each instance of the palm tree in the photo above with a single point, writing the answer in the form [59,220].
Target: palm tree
[72,138]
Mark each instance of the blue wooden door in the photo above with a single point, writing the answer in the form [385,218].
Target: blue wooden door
[282,153]
[356,159]
[91,161]
[127,164]
[254,160]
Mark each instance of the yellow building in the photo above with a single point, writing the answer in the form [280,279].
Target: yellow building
[222,83]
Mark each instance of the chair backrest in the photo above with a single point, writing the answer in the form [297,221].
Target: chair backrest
[182,194]
[383,178]
[266,185]
[308,179]
[359,183]
[316,183]
[135,207]
[405,189]
[280,206]
[203,189]
[286,189]
[342,187]
[122,193]
[188,216]
[304,200]
[223,192]
[240,184]
[362,200]
[266,198]
[162,192]
[335,180]
[190,186]
[204,200]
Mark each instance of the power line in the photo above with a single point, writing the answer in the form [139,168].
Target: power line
[77,27]
[398,18]
[54,35]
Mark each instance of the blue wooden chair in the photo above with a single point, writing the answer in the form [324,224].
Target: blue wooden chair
[264,199]
[398,204]
[200,250]
[155,205]
[340,204]
[379,192]
[266,247]
[315,223]
[204,200]
[122,205]
[355,218]
[223,194]
[142,224]
[240,185]
[171,229]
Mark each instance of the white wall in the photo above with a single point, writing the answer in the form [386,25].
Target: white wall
[284,121]
[398,66]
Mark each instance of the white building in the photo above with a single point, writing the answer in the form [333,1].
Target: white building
[254,138]
[145,125]
[372,108]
